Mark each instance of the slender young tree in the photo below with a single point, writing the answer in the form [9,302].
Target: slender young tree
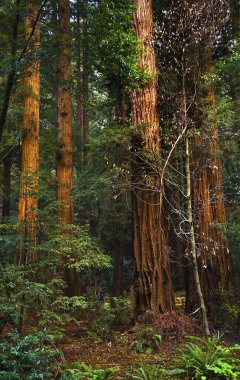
[65,140]
[152,288]
[28,199]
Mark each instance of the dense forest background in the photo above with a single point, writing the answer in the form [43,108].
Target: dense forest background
[119,164]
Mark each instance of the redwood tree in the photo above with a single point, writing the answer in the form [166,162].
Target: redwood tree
[188,32]
[152,288]
[28,199]
[214,262]
[65,140]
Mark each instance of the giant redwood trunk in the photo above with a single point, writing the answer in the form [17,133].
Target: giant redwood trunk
[28,199]
[65,148]
[152,288]
[214,262]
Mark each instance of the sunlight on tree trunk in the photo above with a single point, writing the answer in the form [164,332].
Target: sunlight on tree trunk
[28,199]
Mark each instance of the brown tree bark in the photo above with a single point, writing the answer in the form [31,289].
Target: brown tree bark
[192,243]
[65,148]
[152,288]
[214,262]
[28,199]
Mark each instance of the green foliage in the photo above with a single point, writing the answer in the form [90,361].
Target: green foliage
[45,302]
[148,372]
[121,309]
[100,326]
[76,249]
[147,339]
[231,231]
[104,315]
[28,357]
[207,359]
[228,317]
[78,371]
[117,47]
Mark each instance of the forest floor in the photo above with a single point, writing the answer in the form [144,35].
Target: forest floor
[116,351]
[116,348]
[117,345]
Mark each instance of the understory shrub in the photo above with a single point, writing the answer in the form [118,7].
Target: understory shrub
[147,339]
[148,372]
[207,359]
[79,371]
[30,357]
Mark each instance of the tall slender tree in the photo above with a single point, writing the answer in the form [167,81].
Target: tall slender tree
[65,140]
[152,288]
[28,199]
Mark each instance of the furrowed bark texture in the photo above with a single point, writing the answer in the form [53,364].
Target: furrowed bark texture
[152,288]
[214,262]
[65,149]
[28,199]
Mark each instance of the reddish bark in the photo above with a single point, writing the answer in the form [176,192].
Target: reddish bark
[214,262]
[152,288]
[28,199]
[65,150]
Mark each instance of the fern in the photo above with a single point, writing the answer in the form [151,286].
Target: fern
[207,359]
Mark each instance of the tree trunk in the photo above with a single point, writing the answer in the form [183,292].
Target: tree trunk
[152,288]
[213,255]
[28,199]
[65,149]
[192,244]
